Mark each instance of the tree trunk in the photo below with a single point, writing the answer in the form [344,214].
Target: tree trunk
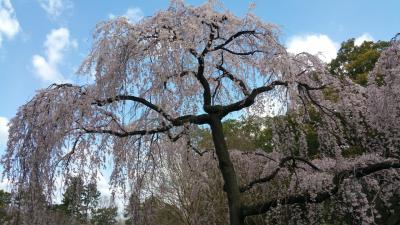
[231,186]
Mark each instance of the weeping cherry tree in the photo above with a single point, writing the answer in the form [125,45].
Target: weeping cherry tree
[155,82]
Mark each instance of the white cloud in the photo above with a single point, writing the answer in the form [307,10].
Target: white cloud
[54,8]
[316,44]
[3,131]
[365,37]
[57,42]
[134,15]
[5,184]
[9,25]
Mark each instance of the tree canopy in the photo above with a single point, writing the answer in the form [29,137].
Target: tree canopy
[158,81]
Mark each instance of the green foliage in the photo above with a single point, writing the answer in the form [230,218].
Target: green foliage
[351,151]
[105,216]
[357,61]
[312,142]
[5,200]
[256,133]
[244,135]
[380,80]
[331,94]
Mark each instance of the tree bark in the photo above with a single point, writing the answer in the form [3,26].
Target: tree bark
[231,186]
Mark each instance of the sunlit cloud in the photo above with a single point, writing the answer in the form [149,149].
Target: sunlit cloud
[316,44]
[57,42]
[364,37]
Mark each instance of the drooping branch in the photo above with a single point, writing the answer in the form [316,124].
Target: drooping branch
[242,53]
[179,121]
[260,180]
[233,37]
[233,78]
[102,102]
[160,129]
[276,171]
[322,196]
[249,100]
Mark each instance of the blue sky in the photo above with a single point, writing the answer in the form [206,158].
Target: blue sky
[44,41]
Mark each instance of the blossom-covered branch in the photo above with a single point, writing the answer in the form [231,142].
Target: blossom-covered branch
[276,171]
[319,197]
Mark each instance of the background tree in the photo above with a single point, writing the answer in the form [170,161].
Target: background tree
[357,61]
[185,67]
[79,199]
[5,201]
[106,213]
[245,134]
[105,216]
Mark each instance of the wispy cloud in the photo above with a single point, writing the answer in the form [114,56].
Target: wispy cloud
[55,8]
[9,25]
[364,37]
[134,15]
[316,44]
[3,131]
[57,42]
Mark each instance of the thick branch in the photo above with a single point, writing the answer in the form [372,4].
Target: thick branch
[233,37]
[203,81]
[249,100]
[135,99]
[242,53]
[194,119]
[261,208]
[161,129]
[178,121]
